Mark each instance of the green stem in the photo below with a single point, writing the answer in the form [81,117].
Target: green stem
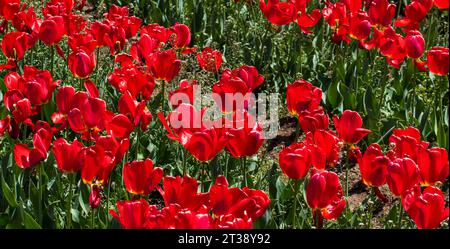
[69,210]
[295,203]
[41,175]
[184,162]
[52,55]
[244,170]
[107,203]
[400,215]
[346,174]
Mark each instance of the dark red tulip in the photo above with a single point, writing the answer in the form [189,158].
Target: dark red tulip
[415,44]
[349,127]
[81,63]
[433,165]
[245,137]
[140,177]
[278,13]
[403,174]
[295,160]
[313,120]
[68,156]
[438,60]
[237,201]
[95,197]
[164,65]
[209,59]
[426,209]
[52,30]
[26,21]
[373,166]
[4,125]
[325,148]
[19,106]
[120,126]
[325,196]
[131,214]
[302,95]
[183,191]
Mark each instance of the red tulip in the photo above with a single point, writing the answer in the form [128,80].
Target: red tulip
[381,12]
[403,174]
[176,217]
[19,106]
[202,140]
[120,17]
[360,26]
[349,127]
[4,125]
[426,209]
[325,196]
[278,13]
[157,32]
[132,214]
[82,41]
[81,63]
[14,44]
[9,8]
[325,148]
[306,21]
[245,137]
[58,7]
[52,30]
[144,47]
[229,221]
[295,160]
[415,12]
[141,177]
[133,79]
[42,140]
[441,4]
[415,44]
[406,143]
[373,166]
[184,93]
[437,60]
[68,156]
[95,198]
[88,116]
[314,120]
[26,21]
[164,65]
[302,95]
[183,191]
[135,111]
[239,202]
[182,37]
[433,165]
[209,59]
[107,34]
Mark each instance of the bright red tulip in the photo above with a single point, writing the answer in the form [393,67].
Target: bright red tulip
[381,12]
[441,4]
[325,196]
[415,44]
[245,137]
[237,201]
[403,174]
[278,13]
[68,156]
[360,26]
[209,59]
[325,148]
[137,112]
[182,37]
[58,7]
[120,17]
[406,143]
[132,214]
[313,120]
[415,12]
[438,60]
[52,30]
[164,65]
[144,47]
[157,32]
[183,191]
[229,221]
[9,8]
[81,63]
[184,93]
[176,217]
[140,177]
[14,44]
[295,160]
[302,95]
[426,209]
[433,165]
[349,127]
[373,166]
[19,106]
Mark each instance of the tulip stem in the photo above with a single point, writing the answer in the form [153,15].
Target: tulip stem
[400,215]
[184,161]
[41,175]
[346,174]
[244,170]
[52,55]
[69,210]
[295,203]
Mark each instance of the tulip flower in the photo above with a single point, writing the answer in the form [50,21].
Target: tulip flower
[349,127]
[184,93]
[313,120]
[406,143]
[137,112]
[403,174]
[68,156]
[438,60]
[245,137]
[176,217]
[140,177]
[325,196]
[19,106]
[441,4]
[164,65]
[42,139]
[209,60]
[433,165]
[373,166]
[360,26]
[94,197]
[237,201]
[14,46]
[426,209]
[415,12]
[183,191]
[133,79]
[9,8]
[295,160]
[58,7]
[229,221]
[52,30]
[157,32]
[144,47]
[381,12]
[302,95]
[182,37]
[278,13]
[82,64]
[325,148]
[131,214]
[415,44]
[120,17]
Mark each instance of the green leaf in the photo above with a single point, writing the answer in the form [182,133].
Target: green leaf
[29,222]
[8,194]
